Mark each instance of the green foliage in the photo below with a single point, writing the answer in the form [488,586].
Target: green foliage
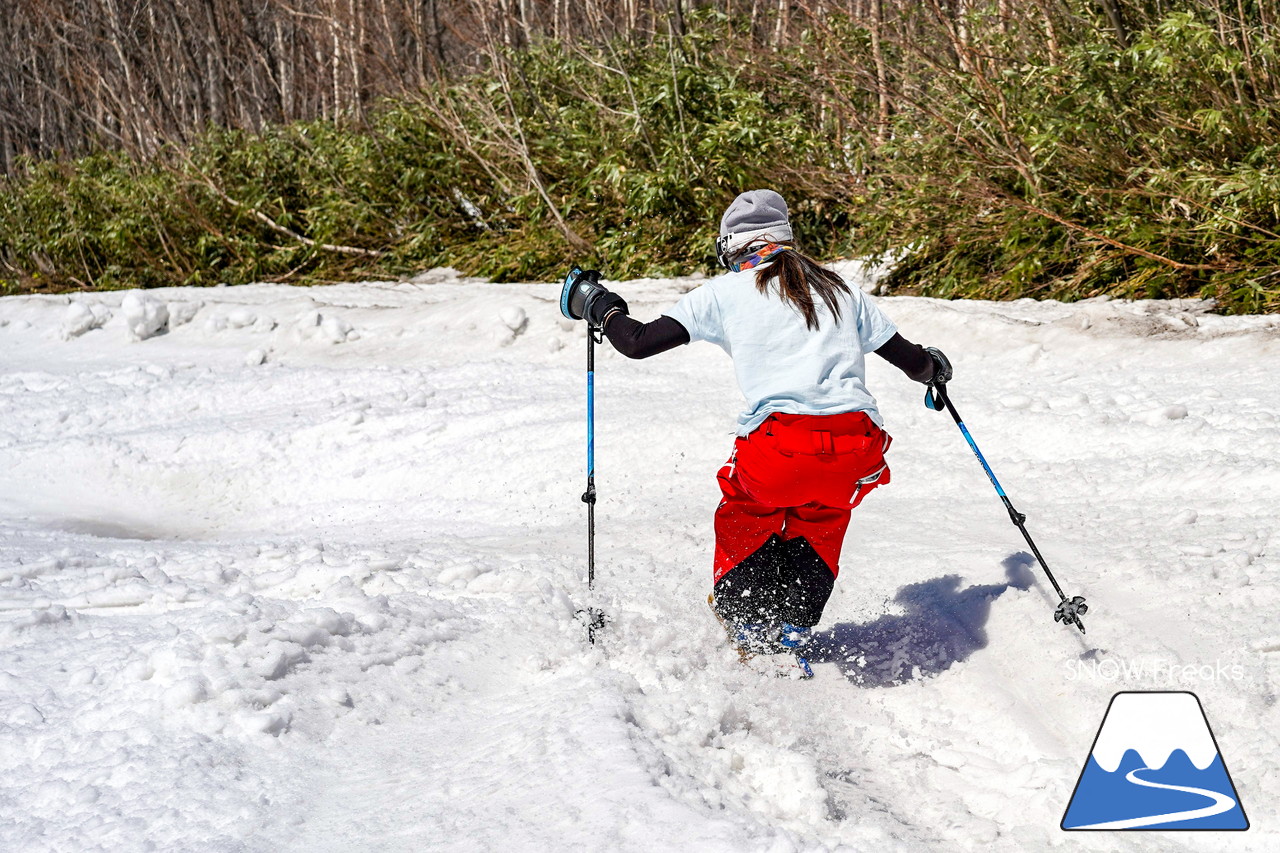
[635,150]
[1008,170]
[1140,172]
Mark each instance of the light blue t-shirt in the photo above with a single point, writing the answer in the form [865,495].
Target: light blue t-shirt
[781,365]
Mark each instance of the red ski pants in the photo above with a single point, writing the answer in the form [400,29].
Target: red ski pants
[797,475]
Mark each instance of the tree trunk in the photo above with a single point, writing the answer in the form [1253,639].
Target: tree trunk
[1116,15]
[882,72]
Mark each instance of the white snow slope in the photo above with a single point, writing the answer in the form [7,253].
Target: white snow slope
[296,569]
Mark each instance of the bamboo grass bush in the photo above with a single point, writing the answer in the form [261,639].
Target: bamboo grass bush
[1009,162]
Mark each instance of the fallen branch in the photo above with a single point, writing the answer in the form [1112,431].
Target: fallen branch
[1124,247]
[289,232]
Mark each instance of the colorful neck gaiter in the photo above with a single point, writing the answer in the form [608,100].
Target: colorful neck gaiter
[758,257]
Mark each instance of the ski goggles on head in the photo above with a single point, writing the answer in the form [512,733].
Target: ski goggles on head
[747,262]
[722,250]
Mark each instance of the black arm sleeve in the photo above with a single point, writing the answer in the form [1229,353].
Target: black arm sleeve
[910,358]
[641,340]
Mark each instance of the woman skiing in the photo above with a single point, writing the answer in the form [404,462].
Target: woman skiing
[810,444]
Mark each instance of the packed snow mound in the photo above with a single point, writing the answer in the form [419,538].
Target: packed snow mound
[80,318]
[298,569]
[144,317]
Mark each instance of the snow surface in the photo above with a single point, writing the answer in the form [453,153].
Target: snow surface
[296,569]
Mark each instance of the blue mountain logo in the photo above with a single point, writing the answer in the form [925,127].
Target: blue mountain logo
[1155,765]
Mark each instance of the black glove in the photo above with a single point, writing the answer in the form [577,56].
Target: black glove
[933,398]
[585,298]
[601,305]
[941,367]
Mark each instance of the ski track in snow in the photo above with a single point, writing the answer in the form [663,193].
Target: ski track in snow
[297,571]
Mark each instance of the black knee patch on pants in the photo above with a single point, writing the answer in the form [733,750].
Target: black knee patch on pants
[810,584]
[783,581]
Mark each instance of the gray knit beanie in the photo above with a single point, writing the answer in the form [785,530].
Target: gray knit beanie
[754,216]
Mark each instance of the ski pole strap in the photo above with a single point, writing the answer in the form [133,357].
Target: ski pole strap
[932,401]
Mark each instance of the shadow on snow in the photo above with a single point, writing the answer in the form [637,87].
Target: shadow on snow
[942,624]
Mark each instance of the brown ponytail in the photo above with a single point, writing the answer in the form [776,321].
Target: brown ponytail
[799,278]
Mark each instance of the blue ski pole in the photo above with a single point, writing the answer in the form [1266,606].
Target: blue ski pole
[1068,611]
[594,616]
[591,615]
